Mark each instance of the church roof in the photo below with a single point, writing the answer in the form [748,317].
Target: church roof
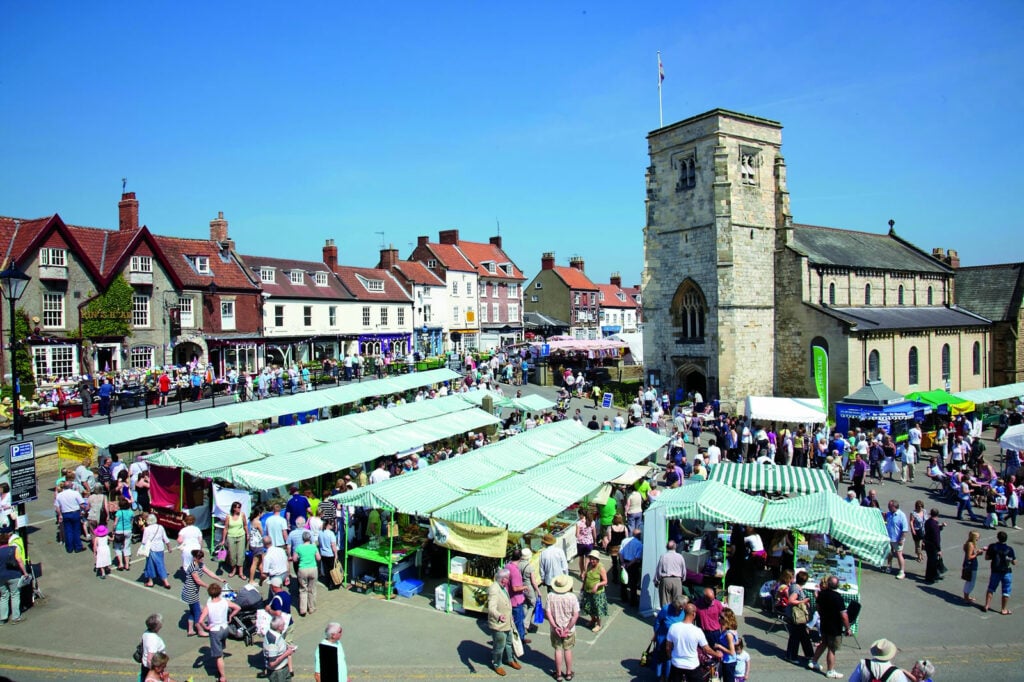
[904,317]
[991,290]
[862,250]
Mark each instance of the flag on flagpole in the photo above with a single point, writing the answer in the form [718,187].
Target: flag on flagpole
[661,69]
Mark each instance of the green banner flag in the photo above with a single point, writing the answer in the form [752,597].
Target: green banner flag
[821,375]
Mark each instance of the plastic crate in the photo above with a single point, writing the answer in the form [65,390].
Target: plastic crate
[409,588]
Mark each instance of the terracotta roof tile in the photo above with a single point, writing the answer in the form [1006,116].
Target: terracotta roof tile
[419,273]
[611,297]
[451,257]
[227,272]
[350,276]
[282,285]
[574,279]
[481,252]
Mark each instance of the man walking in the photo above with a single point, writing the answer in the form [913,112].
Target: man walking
[631,558]
[896,526]
[552,561]
[562,612]
[879,666]
[276,651]
[834,624]
[1003,560]
[329,664]
[669,574]
[69,505]
[932,546]
[499,620]
[682,643]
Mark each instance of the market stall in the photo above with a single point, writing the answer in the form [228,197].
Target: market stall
[875,405]
[773,479]
[944,405]
[785,410]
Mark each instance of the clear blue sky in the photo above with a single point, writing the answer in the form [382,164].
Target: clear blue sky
[303,121]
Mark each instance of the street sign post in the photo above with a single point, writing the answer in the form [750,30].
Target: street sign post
[22,462]
[606,400]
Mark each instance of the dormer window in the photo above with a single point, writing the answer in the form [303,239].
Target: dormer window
[295,277]
[491,267]
[371,284]
[201,264]
[267,275]
[432,263]
[506,268]
[54,257]
[321,279]
[602,296]
[141,264]
[621,296]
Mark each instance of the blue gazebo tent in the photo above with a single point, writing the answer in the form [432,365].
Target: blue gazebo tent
[877,405]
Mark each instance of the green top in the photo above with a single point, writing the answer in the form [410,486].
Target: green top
[608,511]
[643,487]
[307,555]
[591,578]
[236,526]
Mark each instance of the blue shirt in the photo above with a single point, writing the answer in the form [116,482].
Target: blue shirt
[297,506]
[632,550]
[106,390]
[896,525]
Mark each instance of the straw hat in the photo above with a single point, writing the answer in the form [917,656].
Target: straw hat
[527,554]
[594,554]
[101,531]
[883,650]
[563,584]
[548,539]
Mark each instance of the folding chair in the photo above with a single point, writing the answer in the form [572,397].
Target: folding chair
[770,607]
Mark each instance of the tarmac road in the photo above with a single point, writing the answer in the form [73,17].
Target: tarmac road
[86,628]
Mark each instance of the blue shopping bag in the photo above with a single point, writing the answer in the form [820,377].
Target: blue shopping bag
[538,613]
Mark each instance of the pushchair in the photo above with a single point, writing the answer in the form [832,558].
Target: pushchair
[244,626]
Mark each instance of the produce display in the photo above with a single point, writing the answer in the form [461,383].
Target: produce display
[824,561]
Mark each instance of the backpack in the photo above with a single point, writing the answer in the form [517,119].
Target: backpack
[872,677]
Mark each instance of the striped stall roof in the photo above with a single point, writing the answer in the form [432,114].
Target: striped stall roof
[772,478]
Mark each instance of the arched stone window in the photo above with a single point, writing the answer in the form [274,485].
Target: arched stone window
[912,366]
[688,310]
[816,341]
[867,294]
[874,372]
[946,365]
[976,358]
[930,296]
[899,295]
[832,293]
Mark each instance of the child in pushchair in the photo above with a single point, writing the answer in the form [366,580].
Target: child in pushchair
[244,625]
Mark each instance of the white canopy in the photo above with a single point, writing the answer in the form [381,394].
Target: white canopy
[789,410]
[1013,438]
[993,394]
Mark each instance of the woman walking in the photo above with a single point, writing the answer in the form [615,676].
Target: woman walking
[158,673]
[189,538]
[305,557]
[613,538]
[155,540]
[796,610]
[970,566]
[234,538]
[917,519]
[152,644]
[123,535]
[586,536]
[194,574]
[255,547]
[216,615]
[728,643]
[593,600]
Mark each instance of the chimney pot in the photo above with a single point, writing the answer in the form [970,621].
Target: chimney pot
[616,279]
[547,260]
[219,228]
[448,236]
[576,262]
[388,258]
[330,252]
[422,241]
[128,212]
[952,258]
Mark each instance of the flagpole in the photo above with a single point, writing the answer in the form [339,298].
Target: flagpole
[661,77]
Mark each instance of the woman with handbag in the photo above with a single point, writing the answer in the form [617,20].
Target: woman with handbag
[969,572]
[154,543]
[234,538]
[797,615]
[151,645]
[122,523]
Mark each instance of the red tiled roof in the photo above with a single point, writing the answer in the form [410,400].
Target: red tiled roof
[226,272]
[393,291]
[284,287]
[480,252]
[611,297]
[574,279]
[418,273]
[451,257]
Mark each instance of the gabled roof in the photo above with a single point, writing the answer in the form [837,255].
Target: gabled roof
[418,273]
[23,238]
[353,278]
[535,320]
[903,317]
[993,291]
[450,257]
[283,287]
[632,292]
[862,250]
[225,269]
[480,253]
[611,297]
[573,278]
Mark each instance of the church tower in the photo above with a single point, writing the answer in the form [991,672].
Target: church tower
[716,202]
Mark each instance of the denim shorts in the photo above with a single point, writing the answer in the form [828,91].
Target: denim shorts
[1005,578]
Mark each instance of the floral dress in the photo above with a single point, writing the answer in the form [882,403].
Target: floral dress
[594,605]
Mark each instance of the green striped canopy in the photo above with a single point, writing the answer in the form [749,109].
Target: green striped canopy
[860,529]
[710,501]
[772,478]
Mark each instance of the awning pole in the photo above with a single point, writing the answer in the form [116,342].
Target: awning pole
[448,583]
[392,519]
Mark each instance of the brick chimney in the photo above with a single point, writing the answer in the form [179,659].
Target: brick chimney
[496,240]
[331,255]
[952,259]
[219,228]
[616,279]
[547,261]
[939,254]
[576,262]
[422,241]
[448,236]
[128,212]
[388,257]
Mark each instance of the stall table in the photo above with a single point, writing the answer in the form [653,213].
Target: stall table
[403,558]
[829,563]
[471,583]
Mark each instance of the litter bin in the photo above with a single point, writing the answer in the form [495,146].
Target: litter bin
[736,599]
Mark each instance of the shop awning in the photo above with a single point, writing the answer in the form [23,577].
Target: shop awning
[788,410]
[709,501]
[992,394]
[943,402]
[772,478]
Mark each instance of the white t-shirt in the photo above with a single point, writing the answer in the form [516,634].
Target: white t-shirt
[686,639]
[189,538]
[742,662]
[754,542]
[379,475]
[714,455]
[151,644]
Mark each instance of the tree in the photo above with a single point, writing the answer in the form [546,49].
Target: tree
[22,360]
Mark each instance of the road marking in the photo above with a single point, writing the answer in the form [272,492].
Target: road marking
[152,590]
[82,671]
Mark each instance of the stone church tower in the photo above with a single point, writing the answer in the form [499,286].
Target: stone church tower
[717,212]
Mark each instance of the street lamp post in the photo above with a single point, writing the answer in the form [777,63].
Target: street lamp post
[14,281]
